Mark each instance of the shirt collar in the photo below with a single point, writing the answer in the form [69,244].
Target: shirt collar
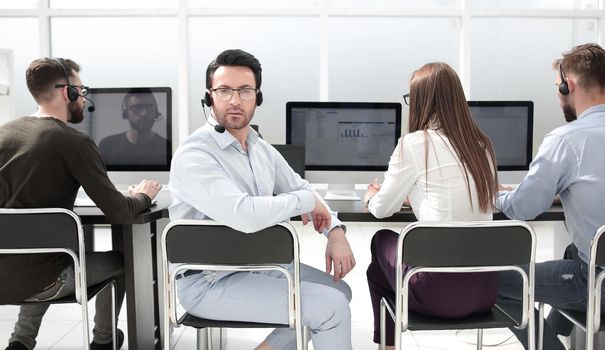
[225,139]
[593,109]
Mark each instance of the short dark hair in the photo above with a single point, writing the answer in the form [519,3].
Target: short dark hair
[43,73]
[587,62]
[234,57]
[137,92]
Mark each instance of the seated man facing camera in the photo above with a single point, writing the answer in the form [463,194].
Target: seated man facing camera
[225,172]
[139,144]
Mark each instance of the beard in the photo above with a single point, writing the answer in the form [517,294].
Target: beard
[142,125]
[238,124]
[569,112]
[76,112]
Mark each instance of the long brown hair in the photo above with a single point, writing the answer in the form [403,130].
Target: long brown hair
[437,101]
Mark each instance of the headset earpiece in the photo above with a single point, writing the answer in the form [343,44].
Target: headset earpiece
[563,87]
[259,98]
[72,93]
[207,100]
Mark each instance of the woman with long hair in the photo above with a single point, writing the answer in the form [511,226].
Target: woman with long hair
[445,167]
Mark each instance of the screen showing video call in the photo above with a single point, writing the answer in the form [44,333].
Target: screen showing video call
[131,127]
[344,136]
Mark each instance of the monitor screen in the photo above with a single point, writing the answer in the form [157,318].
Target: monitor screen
[132,127]
[509,125]
[344,135]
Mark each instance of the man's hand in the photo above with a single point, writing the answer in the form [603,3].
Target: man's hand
[501,187]
[322,219]
[339,254]
[149,187]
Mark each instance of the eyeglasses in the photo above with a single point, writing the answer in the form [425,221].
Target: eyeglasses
[84,90]
[406,99]
[226,94]
[144,108]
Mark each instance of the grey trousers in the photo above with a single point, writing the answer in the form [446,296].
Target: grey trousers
[263,297]
[99,267]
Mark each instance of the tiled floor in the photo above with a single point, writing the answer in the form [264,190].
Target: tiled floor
[61,328]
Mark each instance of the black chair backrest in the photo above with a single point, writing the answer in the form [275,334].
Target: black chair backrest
[467,246]
[26,230]
[295,156]
[217,244]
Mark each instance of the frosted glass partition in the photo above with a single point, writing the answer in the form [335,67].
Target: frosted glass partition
[390,4]
[25,48]
[287,48]
[514,69]
[21,4]
[535,4]
[372,58]
[114,4]
[122,52]
[256,4]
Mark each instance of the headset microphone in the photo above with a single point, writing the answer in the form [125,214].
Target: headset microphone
[218,127]
[91,108]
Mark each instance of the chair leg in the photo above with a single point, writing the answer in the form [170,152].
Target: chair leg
[203,339]
[479,339]
[114,318]
[85,334]
[540,326]
[305,338]
[383,332]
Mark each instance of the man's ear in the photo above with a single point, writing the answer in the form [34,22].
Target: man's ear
[571,83]
[63,92]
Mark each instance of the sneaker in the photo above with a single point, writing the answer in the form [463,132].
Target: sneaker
[16,346]
[108,346]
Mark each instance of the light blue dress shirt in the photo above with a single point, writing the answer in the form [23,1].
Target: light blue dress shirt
[212,177]
[571,163]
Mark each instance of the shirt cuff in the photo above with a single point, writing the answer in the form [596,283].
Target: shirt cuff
[306,200]
[500,199]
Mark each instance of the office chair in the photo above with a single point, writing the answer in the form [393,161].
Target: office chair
[589,321]
[206,245]
[54,230]
[461,247]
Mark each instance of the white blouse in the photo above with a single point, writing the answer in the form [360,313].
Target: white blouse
[436,193]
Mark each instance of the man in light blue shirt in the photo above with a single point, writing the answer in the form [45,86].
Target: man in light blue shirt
[570,163]
[226,173]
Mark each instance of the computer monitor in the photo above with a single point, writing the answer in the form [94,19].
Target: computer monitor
[344,137]
[509,125]
[132,128]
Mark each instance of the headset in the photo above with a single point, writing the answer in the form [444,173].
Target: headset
[563,87]
[72,91]
[156,115]
[207,100]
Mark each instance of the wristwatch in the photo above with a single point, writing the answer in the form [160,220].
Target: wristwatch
[343,227]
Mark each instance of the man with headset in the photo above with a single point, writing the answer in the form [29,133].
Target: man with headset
[570,164]
[225,172]
[140,144]
[43,162]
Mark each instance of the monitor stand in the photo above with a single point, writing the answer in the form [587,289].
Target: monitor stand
[341,192]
